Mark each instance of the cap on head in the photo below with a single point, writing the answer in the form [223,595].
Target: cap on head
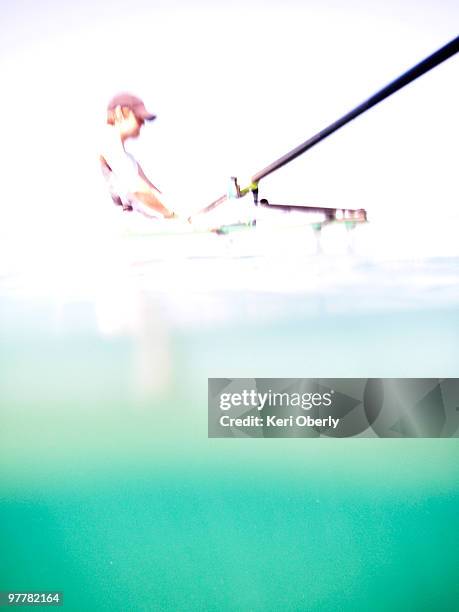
[127,100]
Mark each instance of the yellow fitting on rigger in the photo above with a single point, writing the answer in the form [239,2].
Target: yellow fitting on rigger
[251,187]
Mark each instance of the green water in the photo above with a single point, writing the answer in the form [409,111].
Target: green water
[112,493]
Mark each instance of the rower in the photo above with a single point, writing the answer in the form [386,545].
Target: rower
[128,185]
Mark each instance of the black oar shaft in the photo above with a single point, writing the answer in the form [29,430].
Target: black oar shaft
[427,64]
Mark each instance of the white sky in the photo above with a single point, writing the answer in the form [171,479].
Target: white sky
[234,88]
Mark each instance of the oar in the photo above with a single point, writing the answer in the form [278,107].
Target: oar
[427,64]
[407,77]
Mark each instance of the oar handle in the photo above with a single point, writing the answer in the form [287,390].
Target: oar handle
[234,191]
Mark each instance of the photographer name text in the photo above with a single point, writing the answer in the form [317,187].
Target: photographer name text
[276,421]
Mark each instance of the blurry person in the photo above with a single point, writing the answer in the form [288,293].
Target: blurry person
[129,186]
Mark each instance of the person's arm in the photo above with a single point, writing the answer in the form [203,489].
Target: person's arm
[145,178]
[149,194]
[151,200]
[130,180]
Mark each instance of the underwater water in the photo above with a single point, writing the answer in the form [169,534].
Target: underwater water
[112,492]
